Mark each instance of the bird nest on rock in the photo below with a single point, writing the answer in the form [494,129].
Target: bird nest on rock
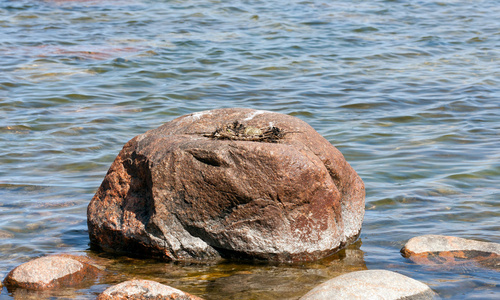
[240,132]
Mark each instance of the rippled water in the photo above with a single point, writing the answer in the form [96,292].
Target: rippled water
[407,90]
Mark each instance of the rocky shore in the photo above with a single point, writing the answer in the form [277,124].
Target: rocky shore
[233,185]
[69,271]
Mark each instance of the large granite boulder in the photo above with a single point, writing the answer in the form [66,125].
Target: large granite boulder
[52,271]
[228,183]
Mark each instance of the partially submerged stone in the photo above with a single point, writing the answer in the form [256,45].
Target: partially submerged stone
[144,289]
[228,183]
[449,250]
[51,272]
[371,284]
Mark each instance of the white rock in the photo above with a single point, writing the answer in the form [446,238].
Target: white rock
[371,284]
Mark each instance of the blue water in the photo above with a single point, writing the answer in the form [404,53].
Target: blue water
[409,91]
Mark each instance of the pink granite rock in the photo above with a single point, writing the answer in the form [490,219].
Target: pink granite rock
[449,251]
[51,272]
[228,183]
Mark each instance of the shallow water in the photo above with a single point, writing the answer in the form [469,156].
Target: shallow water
[407,90]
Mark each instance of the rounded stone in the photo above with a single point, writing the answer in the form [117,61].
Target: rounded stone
[144,289]
[450,250]
[231,183]
[50,272]
[438,243]
[371,284]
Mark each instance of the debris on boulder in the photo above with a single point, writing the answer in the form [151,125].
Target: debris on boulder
[450,250]
[228,183]
[144,289]
[52,272]
[240,132]
[371,284]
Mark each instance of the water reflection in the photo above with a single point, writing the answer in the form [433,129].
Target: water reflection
[236,280]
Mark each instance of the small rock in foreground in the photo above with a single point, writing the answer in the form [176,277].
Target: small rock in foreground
[51,272]
[144,289]
[450,250]
[371,284]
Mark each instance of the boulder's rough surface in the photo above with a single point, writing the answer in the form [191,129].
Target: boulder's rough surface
[450,250]
[371,284]
[52,272]
[144,289]
[228,183]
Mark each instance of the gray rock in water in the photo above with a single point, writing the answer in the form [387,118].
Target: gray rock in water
[371,284]
[438,243]
[52,272]
[450,250]
[228,183]
[144,289]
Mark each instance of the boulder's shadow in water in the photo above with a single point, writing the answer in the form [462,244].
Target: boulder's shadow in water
[234,279]
[283,281]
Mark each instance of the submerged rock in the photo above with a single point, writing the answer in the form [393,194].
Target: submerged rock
[228,183]
[5,234]
[144,289]
[449,250]
[51,272]
[371,284]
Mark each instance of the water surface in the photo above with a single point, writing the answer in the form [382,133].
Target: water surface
[407,90]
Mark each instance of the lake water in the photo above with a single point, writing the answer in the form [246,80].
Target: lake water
[408,90]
